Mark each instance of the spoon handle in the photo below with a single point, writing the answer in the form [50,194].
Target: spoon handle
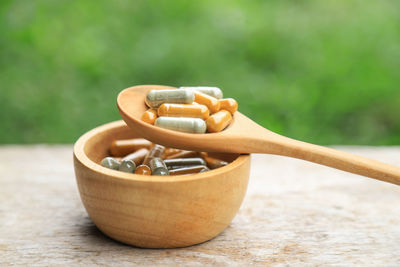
[273,143]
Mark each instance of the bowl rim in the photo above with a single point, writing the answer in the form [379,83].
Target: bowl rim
[81,156]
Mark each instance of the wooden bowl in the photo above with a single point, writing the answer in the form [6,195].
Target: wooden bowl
[156,211]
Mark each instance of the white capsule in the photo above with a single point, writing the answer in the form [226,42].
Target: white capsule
[211,91]
[188,125]
[155,98]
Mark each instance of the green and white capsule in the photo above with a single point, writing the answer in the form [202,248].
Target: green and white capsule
[189,170]
[111,163]
[158,167]
[155,98]
[183,162]
[205,169]
[187,125]
[211,91]
[127,166]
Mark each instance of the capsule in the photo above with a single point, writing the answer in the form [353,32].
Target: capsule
[157,97]
[121,148]
[127,166]
[155,152]
[169,152]
[149,116]
[158,167]
[111,163]
[184,154]
[205,170]
[183,162]
[188,170]
[218,121]
[211,91]
[182,110]
[188,125]
[228,104]
[137,156]
[209,101]
[214,163]
[143,170]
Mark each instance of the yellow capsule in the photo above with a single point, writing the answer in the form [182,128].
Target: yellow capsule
[228,104]
[181,110]
[143,170]
[137,156]
[218,121]
[209,101]
[149,116]
[121,148]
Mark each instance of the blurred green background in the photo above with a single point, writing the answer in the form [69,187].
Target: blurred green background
[326,72]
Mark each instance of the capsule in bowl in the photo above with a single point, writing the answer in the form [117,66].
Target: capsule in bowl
[156,211]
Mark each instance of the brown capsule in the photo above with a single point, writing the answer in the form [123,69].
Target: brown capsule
[184,154]
[149,116]
[121,148]
[143,170]
[209,101]
[182,110]
[169,152]
[137,156]
[203,154]
[218,121]
[228,104]
[155,152]
[188,170]
[214,163]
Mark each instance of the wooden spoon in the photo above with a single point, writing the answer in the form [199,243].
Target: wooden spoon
[245,136]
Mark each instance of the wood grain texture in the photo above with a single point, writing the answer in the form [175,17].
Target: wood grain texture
[156,211]
[294,213]
[245,136]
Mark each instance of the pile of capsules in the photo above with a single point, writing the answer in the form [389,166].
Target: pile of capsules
[189,109]
[141,156]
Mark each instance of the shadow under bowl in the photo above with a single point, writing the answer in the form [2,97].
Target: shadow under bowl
[156,211]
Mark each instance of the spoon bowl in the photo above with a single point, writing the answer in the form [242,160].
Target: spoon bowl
[131,106]
[245,136]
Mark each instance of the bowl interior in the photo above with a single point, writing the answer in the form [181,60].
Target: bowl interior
[97,146]
[156,211]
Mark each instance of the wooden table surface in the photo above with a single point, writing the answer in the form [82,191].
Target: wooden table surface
[294,213]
